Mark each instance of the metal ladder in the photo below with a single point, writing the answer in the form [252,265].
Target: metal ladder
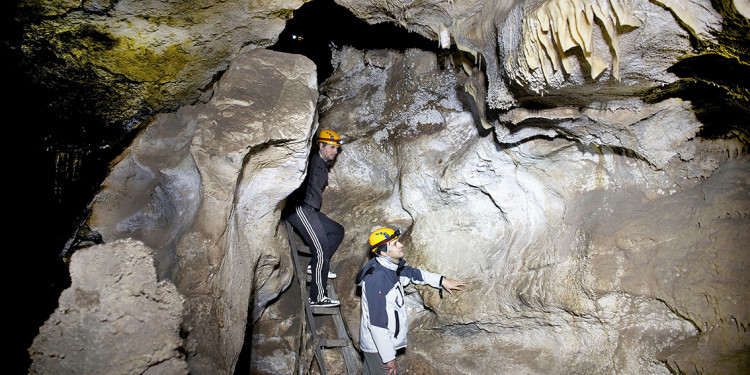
[341,340]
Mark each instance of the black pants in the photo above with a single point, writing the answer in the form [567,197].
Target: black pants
[323,236]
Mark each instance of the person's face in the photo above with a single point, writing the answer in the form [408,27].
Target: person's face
[395,250]
[328,151]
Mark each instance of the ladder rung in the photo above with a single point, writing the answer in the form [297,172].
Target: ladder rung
[317,310]
[341,342]
[304,249]
[333,343]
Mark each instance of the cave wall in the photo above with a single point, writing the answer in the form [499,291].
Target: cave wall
[132,59]
[597,229]
[204,187]
[579,257]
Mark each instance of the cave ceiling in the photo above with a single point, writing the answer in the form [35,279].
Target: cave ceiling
[114,63]
[92,73]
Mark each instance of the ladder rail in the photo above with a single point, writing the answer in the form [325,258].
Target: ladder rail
[301,277]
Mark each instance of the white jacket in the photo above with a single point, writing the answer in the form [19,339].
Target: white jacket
[383,326]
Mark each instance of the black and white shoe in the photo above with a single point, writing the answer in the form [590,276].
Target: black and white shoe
[331,275]
[325,302]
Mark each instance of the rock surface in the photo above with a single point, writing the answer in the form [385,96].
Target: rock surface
[598,230]
[553,47]
[205,186]
[605,250]
[142,57]
[116,317]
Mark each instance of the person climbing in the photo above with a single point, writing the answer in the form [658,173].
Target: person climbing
[383,324]
[320,233]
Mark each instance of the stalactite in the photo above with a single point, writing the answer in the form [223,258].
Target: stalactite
[559,26]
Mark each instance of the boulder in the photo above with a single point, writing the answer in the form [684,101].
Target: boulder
[116,317]
[205,186]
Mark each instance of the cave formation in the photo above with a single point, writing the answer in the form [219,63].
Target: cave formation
[594,180]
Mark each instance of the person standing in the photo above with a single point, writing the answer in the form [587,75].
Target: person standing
[321,234]
[383,325]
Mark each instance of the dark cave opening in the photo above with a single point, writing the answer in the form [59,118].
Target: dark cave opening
[716,80]
[318,24]
[719,89]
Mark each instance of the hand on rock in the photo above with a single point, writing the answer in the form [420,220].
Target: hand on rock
[450,285]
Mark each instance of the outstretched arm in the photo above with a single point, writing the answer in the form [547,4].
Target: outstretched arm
[415,275]
[450,285]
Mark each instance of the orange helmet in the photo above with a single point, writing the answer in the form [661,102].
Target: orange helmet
[381,237]
[330,137]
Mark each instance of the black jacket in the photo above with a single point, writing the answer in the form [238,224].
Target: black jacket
[311,190]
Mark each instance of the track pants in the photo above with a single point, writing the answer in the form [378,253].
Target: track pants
[372,365]
[323,236]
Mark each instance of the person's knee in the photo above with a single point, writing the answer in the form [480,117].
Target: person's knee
[338,235]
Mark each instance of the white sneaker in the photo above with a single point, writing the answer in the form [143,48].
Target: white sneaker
[325,302]
[331,275]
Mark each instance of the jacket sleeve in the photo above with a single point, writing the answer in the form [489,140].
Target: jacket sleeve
[374,290]
[417,276]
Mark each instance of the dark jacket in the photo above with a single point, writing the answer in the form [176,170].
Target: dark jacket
[311,190]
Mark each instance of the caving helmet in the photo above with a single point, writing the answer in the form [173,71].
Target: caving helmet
[330,137]
[381,237]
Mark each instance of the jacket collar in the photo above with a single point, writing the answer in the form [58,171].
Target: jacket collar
[387,263]
[383,261]
[317,155]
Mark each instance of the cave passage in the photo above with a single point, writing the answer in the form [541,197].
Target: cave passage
[319,23]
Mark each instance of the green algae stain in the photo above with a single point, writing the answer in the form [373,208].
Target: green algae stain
[81,40]
[145,65]
[88,46]
[284,14]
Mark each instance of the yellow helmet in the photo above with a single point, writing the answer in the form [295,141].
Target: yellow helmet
[382,236]
[330,137]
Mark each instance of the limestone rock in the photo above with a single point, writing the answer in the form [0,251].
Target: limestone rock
[116,317]
[205,187]
[687,251]
[563,240]
[142,57]
[654,132]
[276,345]
[547,45]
